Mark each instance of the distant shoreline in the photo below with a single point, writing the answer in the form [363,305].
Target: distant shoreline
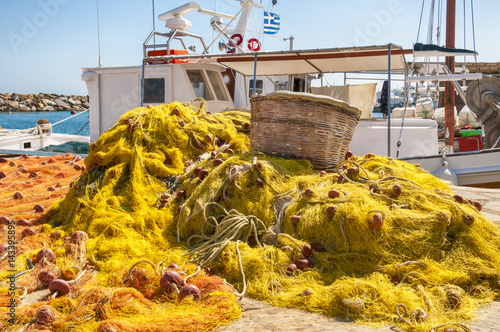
[42,102]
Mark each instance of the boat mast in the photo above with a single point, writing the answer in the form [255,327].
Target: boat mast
[449,90]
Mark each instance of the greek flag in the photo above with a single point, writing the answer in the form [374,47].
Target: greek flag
[271,23]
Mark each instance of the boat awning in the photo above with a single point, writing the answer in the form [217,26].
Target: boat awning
[333,60]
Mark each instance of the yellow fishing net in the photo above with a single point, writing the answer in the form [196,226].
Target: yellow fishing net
[377,240]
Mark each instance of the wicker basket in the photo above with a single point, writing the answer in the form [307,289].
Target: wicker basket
[303,125]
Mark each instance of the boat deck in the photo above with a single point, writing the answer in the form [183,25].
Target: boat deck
[262,317]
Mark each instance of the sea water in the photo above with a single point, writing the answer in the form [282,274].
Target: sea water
[74,123]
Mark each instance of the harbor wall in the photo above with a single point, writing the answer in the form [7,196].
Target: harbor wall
[42,102]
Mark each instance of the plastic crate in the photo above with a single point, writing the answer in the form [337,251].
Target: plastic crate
[470,143]
[163,52]
[470,132]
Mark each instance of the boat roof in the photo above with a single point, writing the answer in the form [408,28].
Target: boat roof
[326,60]
[331,60]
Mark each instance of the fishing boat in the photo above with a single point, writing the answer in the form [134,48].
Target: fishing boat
[229,79]
[41,136]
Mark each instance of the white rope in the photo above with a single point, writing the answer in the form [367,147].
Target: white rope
[58,122]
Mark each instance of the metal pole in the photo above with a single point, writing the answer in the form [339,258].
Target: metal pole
[142,82]
[255,74]
[389,106]
[449,91]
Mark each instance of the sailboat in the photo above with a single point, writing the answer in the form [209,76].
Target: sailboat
[227,80]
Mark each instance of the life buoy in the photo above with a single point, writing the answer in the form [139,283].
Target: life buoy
[235,40]
[253,44]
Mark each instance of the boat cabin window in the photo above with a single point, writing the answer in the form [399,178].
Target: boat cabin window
[154,90]
[199,84]
[259,87]
[217,85]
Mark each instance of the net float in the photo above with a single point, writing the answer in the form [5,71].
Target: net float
[306,292]
[202,173]
[24,156]
[259,183]
[376,222]
[322,173]
[55,235]
[348,154]
[396,189]
[306,250]
[181,123]
[303,263]
[12,163]
[229,151]
[352,171]
[181,194]
[295,219]
[331,210]
[3,160]
[190,290]
[23,222]
[308,192]
[468,218]
[477,205]
[47,254]
[2,175]
[28,232]
[316,246]
[38,208]
[3,247]
[172,266]
[18,195]
[51,188]
[333,193]
[458,198]
[208,138]
[45,315]
[79,237]
[175,111]
[4,220]
[246,125]
[196,171]
[213,154]
[452,297]
[59,287]
[170,281]
[291,269]
[46,276]
[217,162]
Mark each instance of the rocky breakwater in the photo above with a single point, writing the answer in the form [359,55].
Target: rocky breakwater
[42,102]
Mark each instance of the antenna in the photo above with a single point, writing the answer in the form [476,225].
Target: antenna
[99,36]
[174,19]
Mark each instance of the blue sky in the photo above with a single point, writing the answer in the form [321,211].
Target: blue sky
[45,43]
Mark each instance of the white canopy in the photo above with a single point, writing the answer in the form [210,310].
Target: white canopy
[343,60]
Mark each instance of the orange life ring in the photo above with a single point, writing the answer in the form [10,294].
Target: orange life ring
[254,44]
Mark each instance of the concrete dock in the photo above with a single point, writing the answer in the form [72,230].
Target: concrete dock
[261,317]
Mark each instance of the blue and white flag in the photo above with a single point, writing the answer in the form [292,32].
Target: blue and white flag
[271,23]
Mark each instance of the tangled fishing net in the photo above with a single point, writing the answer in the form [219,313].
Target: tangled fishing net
[181,216]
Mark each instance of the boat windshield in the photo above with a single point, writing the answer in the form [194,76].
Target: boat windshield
[217,85]
[199,84]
